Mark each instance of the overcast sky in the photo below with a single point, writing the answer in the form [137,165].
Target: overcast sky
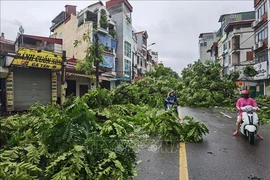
[173,25]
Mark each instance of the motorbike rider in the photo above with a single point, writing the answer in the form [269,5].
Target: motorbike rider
[242,102]
[171,99]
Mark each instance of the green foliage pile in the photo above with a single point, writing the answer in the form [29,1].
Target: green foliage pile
[264,113]
[151,90]
[92,137]
[50,143]
[203,86]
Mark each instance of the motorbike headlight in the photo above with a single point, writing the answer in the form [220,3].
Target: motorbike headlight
[249,108]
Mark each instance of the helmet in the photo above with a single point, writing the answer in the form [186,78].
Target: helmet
[171,91]
[245,94]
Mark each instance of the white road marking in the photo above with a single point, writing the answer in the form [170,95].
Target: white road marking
[225,115]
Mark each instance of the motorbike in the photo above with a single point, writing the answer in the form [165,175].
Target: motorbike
[169,105]
[250,123]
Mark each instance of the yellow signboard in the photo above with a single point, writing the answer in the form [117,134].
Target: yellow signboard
[38,59]
[10,92]
[54,87]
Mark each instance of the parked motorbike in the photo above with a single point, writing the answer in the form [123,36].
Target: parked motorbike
[249,126]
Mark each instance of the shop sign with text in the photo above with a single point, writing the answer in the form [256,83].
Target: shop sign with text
[261,68]
[38,59]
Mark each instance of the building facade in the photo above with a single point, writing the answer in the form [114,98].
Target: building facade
[206,40]
[7,50]
[223,43]
[33,72]
[260,48]
[142,53]
[74,27]
[239,45]
[121,13]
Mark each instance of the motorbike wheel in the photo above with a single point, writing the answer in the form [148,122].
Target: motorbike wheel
[251,138]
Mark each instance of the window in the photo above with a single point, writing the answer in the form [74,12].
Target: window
[261,57]
[127,49]
[233,17]
[225,46]
[205,43]
[262,34]
[261,10]
[60,36]
[208,36]
[127,67]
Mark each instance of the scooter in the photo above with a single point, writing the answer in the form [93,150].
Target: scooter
[250,122]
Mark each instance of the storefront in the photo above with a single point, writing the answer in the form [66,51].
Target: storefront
[31,85]
[32,79]
[261,78]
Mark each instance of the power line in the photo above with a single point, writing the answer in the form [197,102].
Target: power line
[253,35]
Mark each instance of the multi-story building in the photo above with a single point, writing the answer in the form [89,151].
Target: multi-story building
[154,55]
[121,13]
[213,52]
[142,37]
[33,72]
[7,49]
[135,56]
[225,19]
[260,48]
[240,51]
[73,27]
[206,40]
[239,44]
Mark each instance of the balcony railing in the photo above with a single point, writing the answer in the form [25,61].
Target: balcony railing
[36,47]
[108,49]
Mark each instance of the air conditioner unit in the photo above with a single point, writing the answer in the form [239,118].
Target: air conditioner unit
[254,23]
[255,47]
[260,44]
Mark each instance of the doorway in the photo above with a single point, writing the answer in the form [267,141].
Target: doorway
[83,89]
[3,102]
[71,88]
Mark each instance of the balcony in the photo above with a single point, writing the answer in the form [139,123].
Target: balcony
[48,47]
[236,44]
[39,43]
[257,23]
[7,47]
[109,49]
[103,30]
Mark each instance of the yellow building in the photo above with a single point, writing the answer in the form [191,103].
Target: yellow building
[69,31]
[70,26]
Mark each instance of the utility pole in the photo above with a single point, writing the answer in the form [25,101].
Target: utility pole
[97,61]
[63,78]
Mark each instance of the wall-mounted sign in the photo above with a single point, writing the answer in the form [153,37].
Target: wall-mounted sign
[261,68]
[10,104]
[239,83]
[54,88]
[38,59]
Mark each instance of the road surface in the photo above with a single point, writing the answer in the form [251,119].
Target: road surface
[219,157]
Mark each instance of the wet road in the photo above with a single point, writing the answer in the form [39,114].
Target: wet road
[219,157]
[222,156]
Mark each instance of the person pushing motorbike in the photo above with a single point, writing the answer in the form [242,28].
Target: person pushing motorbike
[242,102]
[171,100]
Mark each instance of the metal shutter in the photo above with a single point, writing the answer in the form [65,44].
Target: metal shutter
[30,86]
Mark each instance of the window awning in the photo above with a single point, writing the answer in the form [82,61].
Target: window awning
[86,76]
